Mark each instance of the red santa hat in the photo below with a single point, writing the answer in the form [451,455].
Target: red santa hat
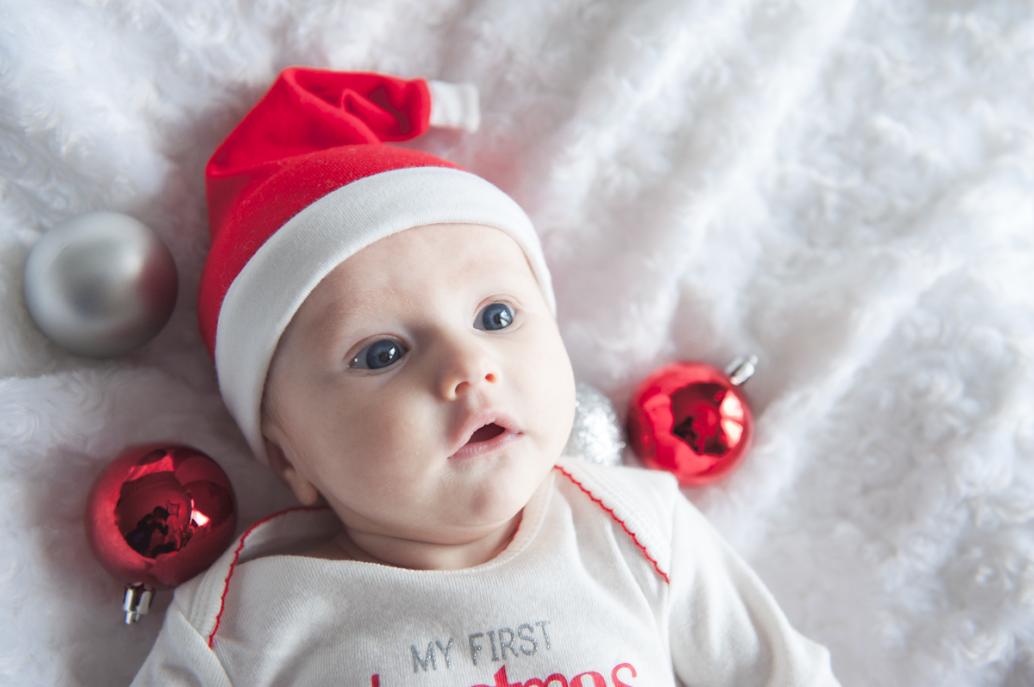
[306,180]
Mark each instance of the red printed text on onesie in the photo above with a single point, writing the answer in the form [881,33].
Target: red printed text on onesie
[590,678]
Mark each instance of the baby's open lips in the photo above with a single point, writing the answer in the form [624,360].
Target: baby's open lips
[489,431]
[486,427]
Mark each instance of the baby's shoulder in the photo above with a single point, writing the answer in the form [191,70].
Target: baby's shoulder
[638,504]
[200,598]
[203,598]
[621,473]
[646,493]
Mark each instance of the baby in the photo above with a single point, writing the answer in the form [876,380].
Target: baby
[384,331]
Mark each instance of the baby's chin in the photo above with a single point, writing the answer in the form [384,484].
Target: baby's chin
[498,500]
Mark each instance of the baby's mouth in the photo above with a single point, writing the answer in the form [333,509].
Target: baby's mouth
[485,440]
[489,431]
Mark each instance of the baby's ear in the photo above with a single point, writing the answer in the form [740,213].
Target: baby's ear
[303,489]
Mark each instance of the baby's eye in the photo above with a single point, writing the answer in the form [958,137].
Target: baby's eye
[378,355]
[496,316]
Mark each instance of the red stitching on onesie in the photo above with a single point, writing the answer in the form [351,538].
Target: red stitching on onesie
[610,511]
[237,555]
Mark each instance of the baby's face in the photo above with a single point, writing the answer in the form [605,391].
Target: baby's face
[386,361]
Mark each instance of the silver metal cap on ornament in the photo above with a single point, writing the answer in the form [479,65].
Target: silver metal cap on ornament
[101,284]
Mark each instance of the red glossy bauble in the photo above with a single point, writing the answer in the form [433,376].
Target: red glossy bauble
[690,419]
[160,514]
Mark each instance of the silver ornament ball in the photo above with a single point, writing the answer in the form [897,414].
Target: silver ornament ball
[100,284]
[596,435]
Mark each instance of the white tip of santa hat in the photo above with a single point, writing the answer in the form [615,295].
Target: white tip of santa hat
[454,106]
[304,181]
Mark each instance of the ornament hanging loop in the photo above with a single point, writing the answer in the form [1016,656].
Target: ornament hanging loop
[741,369]
[136,601]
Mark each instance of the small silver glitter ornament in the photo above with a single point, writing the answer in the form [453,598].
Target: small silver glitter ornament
[596,435]
[101,284]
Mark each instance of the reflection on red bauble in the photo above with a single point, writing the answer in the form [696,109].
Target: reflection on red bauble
[159,514]
[692,420]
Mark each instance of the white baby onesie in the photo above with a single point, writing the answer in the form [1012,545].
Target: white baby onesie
[613,579]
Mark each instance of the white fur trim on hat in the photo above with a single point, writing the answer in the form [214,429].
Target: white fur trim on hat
[276,281]
[454,105]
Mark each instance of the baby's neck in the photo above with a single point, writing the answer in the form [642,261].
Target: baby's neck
[407,553]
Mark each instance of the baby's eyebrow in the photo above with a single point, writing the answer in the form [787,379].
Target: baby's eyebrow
[341,316]
[333,315]
[334,312]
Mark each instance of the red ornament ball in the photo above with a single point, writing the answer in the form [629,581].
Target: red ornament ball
[160,514]
[691,420]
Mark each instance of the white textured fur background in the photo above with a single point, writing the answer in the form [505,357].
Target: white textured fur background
[844,188]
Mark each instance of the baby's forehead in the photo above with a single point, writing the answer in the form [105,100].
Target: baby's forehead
[439,253]
[404,265]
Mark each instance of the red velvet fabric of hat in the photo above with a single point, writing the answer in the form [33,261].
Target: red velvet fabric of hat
[314,131]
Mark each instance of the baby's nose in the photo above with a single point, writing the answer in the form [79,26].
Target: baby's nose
[463,386]
[464,370]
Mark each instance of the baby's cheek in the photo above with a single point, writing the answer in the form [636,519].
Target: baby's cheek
[551,356]
[383,437]
[558,386]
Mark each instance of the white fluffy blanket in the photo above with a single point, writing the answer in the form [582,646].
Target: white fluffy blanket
[843,188]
